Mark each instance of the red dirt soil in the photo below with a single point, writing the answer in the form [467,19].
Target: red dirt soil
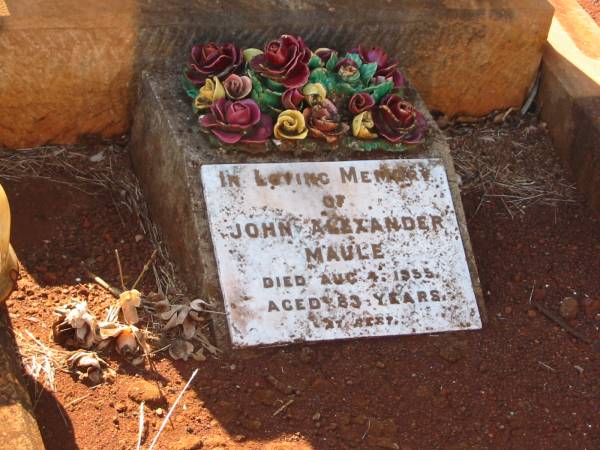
[593,8]
[521,382]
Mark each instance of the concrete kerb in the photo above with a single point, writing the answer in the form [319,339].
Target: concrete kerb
[168,152]
[569,94]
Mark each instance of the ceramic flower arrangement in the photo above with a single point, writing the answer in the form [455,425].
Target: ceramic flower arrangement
[291,95]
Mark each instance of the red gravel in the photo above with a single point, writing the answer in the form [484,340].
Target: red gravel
[519,381]
[592,7]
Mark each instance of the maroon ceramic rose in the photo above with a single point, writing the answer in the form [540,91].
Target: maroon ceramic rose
[324,54]
[292,99]
[360,102]
[285,60]
[239,121]
[398,121]
[323,122]
[237,87]
[387,69]
[213,60]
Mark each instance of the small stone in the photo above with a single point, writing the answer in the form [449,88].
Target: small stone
[440,401]
[159,412]
[380,365]
[569,308]
[189,443]
[239,438]
[508,310]
[251,424]
[453,351]
[121,407]
[442,121]
[316,416]
[383,442]
[138,237]
[531,313]
[423,391]
[144,391]
[591,307]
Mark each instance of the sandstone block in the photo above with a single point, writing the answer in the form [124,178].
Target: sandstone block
[69,68]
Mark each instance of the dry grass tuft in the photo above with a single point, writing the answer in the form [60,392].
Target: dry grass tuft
[102,169]
[512,162]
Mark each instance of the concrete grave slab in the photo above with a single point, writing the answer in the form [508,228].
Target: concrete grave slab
[168,152]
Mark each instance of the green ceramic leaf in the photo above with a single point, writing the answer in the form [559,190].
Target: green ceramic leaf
[250,53]
[273,85]
[256,84]
[314,62]
[367,71]
[345,88]
[375,144]
[190,89]
[321,75]
[333,59]
[378,91]
[356,58]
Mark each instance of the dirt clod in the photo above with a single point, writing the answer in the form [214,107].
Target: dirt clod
[144,391]
[189,443]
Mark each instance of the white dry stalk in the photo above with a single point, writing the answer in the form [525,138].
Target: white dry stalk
[140,427]
[168,416]
[39,359]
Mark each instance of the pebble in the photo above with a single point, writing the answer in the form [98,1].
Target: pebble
[453,351]
[121,407]
[380,365]
[569,308]
[251,424]
[144,391]
[531,313]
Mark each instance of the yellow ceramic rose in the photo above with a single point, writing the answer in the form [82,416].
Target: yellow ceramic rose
[290,125]
[363,125]
[211,91]
[314,93]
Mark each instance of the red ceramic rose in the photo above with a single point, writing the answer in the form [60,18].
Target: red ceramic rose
[238,122]
[292,99]
[285,61]
[360,102]
[213,60]
[398,121]
[323,122]
[387,69]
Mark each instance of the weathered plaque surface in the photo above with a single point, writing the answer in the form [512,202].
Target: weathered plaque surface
[333,250]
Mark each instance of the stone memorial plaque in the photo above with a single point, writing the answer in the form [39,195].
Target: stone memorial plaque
[332,250]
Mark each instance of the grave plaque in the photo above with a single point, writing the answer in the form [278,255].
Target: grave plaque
[332,250]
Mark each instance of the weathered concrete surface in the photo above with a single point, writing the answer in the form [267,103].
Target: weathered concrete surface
[570,94]
[168,150]
[69,67]
[18,429]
